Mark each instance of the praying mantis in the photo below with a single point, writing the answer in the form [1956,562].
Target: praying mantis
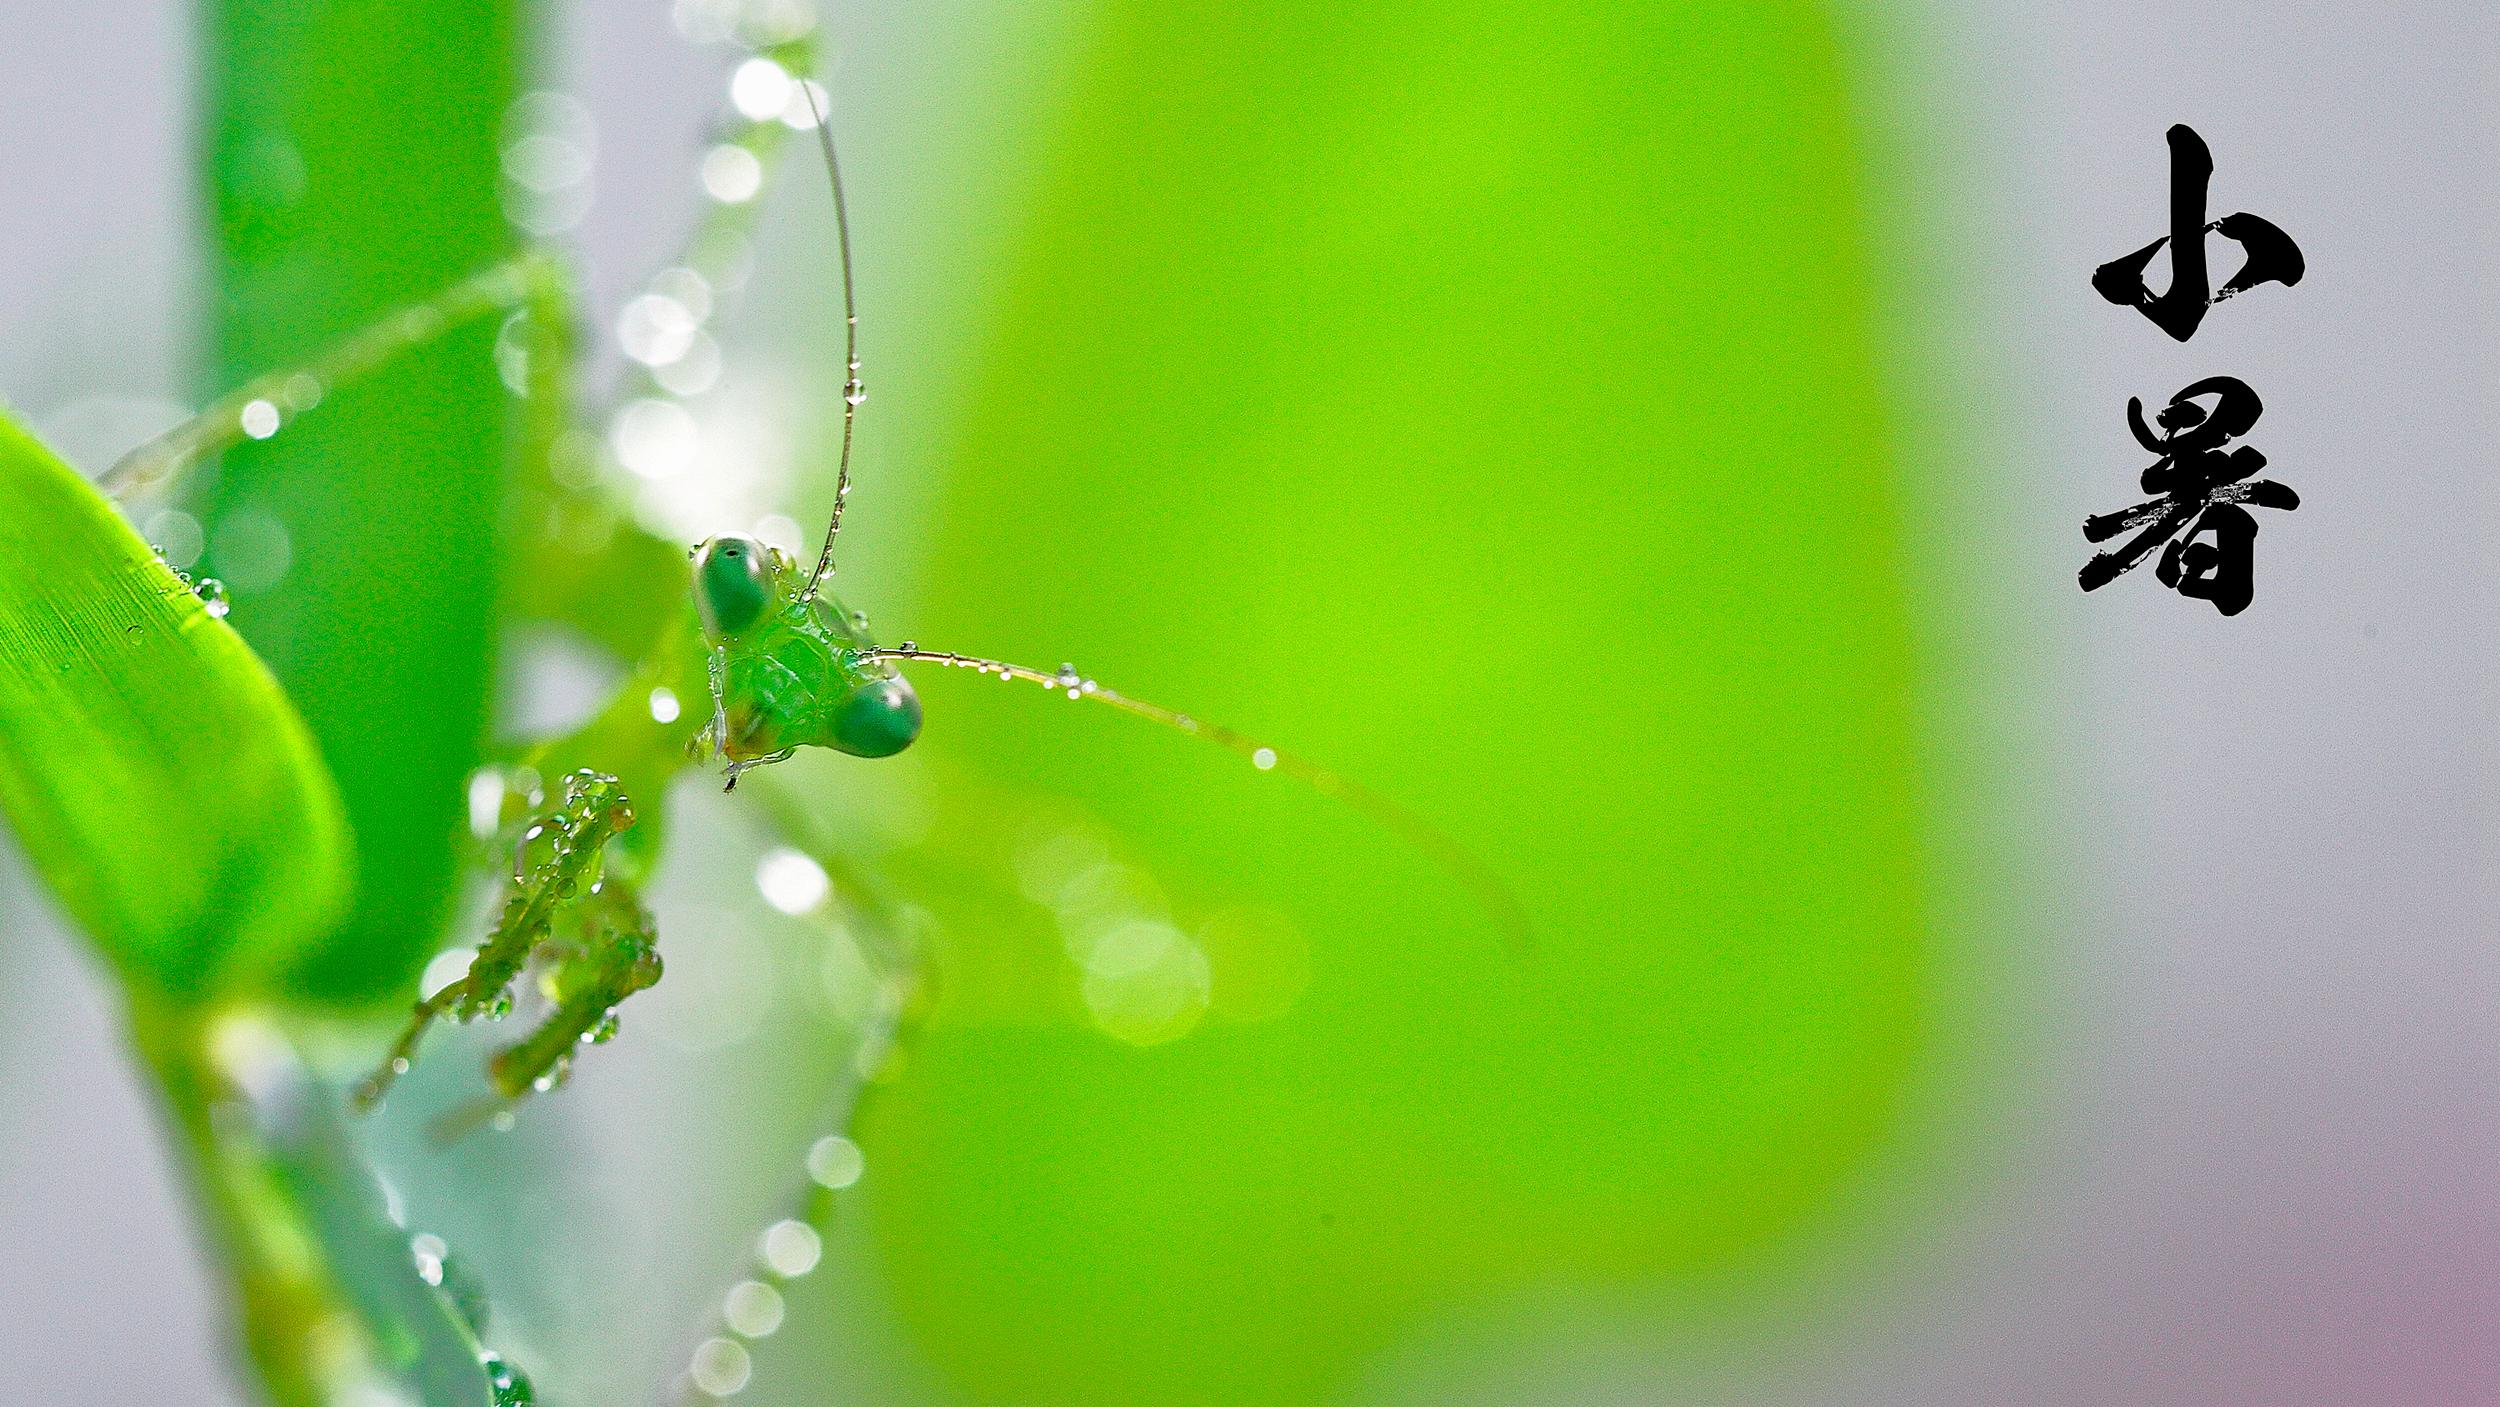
[784,666]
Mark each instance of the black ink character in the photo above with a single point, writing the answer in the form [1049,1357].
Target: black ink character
[2272,257]
[2201,481]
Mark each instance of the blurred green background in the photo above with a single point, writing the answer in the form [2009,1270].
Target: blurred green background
[1482,398]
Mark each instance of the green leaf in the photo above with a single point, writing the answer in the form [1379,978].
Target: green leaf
[158,778]
[350,155]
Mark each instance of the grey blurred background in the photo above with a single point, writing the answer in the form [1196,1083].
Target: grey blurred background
[2263,1166]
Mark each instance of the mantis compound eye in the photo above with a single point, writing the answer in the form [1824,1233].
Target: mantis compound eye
[733,583]
[878,719]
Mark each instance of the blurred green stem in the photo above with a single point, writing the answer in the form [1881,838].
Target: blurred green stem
[282,1306]
[350,161]
[326,1298]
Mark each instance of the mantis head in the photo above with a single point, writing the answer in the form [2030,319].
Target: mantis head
[741,582]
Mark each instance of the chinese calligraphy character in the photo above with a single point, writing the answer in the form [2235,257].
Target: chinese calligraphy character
[2272,257]
[2202,486]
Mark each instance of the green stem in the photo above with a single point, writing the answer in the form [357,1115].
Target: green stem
[326,1300]
[283,1307]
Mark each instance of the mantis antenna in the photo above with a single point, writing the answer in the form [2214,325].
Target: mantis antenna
[1462,864]
[852,391]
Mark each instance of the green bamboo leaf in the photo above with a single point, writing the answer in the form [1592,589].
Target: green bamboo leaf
[350,154]
[156,775]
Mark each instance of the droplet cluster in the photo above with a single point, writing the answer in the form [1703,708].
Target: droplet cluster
[789,1249]
[597,936]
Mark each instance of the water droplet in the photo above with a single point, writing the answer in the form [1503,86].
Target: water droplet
[510,1387]
[504,1118]
[855,391]
[512,354]
[175,536]
[800,114]
[908,646]
[545,162]
[428,1252]
[603,1031]
[859,621]
[541,845]
[1067,676]
[212,594]
[1145,982]
[550,148]
[791,881]
[692,290]
[760,89]
[752,1308]
[664,705]
[1264,758]
[445,968]
[560,1073]
[731,174]
[791,1248]
[655,329]
[260,419]
[721,1367]
[835,1162]
[252,549]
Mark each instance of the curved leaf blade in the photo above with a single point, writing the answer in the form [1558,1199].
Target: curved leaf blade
[156,775]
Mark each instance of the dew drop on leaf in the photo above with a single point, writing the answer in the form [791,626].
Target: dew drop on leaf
[511,1388]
